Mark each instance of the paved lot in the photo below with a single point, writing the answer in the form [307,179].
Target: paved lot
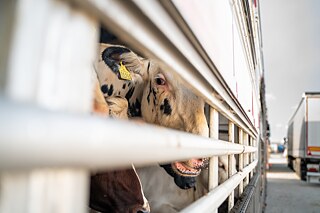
[286,193]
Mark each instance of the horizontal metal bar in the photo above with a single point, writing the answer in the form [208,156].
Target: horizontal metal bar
[147,38]
[247,195]
[216,197]
[33,137]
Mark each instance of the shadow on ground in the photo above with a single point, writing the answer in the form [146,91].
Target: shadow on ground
[286,193]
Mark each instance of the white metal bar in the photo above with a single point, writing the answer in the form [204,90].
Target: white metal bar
[241,164]
[251,157]
[215,198]
[47,56]
[231,164]
[213,163]
[44,190]
[91,142]
[246,156]
[47,66]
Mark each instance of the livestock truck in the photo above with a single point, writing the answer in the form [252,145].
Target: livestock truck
[304,138]
[214,46]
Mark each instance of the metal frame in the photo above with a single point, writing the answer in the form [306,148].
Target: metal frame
[40,112]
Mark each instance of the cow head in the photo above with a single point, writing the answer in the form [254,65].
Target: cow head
[163,99]
[167,102]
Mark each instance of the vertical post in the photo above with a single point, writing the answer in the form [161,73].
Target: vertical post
[44,190]
[251,143]
[256,154]
[49,64]
[240,161]
[213,162]
[231,164]
[246,157]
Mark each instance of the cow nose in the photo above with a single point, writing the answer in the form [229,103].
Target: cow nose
[143,211]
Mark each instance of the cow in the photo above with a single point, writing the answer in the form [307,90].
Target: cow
[159,97]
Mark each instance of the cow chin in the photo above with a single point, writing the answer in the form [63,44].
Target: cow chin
[183,182]
[185,175]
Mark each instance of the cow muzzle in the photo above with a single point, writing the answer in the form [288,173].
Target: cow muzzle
[190,168]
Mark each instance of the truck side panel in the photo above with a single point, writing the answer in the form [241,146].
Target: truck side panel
[297,129]
[313,126]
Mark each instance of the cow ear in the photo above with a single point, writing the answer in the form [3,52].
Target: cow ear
[118,57]
[112,56]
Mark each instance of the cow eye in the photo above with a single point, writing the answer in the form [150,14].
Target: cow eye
[160,80]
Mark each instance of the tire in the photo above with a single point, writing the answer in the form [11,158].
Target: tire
[303,170]
[290,163]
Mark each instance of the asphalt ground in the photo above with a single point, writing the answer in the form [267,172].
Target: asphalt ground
[286,193]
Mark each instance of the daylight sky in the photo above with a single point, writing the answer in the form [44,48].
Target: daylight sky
[291,47]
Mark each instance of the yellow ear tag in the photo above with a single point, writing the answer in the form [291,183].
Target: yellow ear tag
[124,73]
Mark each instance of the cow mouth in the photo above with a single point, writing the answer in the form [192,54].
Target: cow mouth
[190,168]
[181,168]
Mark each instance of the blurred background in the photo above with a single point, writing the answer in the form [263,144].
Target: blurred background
[291,47]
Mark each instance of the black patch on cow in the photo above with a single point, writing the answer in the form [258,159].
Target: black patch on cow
[119,93]
[104,88]
[148,67]
[110,90]
[129,93]
[148,97]
[181,181]
[110,56]
[154,93]
[123,86]
[166,107]
[154,96]
[135,109]
[138,104]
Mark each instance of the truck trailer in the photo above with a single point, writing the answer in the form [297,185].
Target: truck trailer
[304,138]
[215,47]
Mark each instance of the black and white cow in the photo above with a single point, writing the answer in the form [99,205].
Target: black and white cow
[159,97]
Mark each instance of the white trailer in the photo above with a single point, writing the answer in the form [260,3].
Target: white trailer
[304,138]
[216,48]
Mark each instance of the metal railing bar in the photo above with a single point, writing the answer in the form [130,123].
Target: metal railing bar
[241,162]
[213,161]
[32,137]
[231,164]
[216,197]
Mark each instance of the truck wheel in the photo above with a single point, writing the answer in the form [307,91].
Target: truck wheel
[303,170]
[290,163]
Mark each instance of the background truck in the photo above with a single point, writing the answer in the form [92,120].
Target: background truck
[304,138]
